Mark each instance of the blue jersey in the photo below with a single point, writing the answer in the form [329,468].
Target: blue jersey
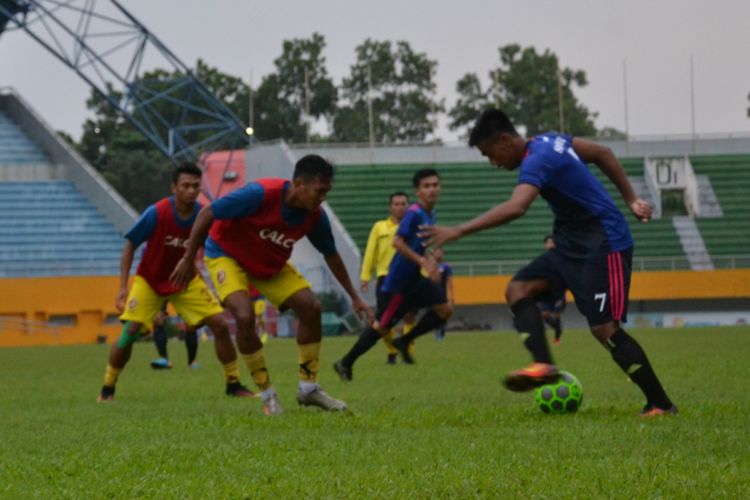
[403,271]
[247,200]
[586,218]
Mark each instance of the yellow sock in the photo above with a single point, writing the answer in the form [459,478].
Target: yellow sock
[388,341]
[308,362]
[256,363]
[231,372]
[110,375]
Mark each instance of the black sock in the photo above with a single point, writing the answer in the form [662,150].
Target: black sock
[191,342]
[430,321]
[629,355]
[160,340]
[364,343]
[528,321]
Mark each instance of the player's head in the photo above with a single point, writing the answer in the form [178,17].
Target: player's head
[426,183]
[312,179]
[549,242]
[398,202]
[496,138]
[186,182]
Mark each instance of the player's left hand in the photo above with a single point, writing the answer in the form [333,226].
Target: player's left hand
[437,236]
[363,310]
[183,273]
[641,209]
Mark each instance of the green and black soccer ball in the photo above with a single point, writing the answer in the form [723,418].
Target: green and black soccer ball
[564,396]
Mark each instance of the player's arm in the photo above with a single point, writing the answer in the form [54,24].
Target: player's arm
[185,268]
[321,238]
[449,289]
[520,201]
[140,232]
[604,158]
[365,273]
[126,262]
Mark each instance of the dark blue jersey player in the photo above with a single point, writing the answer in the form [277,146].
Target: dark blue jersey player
[593,249]
[406,286]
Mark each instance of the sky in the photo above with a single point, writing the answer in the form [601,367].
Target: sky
[656,39]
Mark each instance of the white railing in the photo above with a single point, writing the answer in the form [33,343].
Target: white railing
[26,326]
[506,267]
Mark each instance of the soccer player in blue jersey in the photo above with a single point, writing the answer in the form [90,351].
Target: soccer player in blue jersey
[593,246]
[405,287]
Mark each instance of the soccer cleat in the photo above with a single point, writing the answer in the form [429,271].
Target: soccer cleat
[344,372]
[655,411]
[106,395]
[194,365]
[237,390]
[391,359]
[161,364]
[403,349]
[556,341]
[321,399]
[531,377]
[271,406]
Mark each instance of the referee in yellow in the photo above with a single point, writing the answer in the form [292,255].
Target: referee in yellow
[378,256]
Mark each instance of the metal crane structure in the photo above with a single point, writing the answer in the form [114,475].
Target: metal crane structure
[108,47]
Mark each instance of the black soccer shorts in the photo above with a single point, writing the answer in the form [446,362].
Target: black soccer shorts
[416,294]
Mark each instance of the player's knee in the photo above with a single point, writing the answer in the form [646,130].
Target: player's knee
[218,326]
[245,321]
[310,311]
[604,332]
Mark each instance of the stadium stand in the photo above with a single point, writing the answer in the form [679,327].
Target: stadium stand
[728,235]
[49,228]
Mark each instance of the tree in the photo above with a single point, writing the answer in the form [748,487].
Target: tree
[128,160]
[283,96]
[401,85]
[527,85]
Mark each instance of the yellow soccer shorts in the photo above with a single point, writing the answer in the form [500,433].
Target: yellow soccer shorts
[229,277]
[194,304]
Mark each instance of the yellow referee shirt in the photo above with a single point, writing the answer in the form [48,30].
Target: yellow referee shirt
[379,251]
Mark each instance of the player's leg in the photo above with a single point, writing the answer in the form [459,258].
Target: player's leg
[393,307]
[191,345]
[160,342]
[409,321]
[388,336]
[231,282]
[428,295]
[197,305]
[309,334]
[141,307]
[605,305]
[530,282]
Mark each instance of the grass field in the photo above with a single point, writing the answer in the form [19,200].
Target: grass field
[443,428]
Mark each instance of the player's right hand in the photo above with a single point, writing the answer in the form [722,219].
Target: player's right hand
[183,273]
[641,209]
[431,269]
[122,296]
[364,286]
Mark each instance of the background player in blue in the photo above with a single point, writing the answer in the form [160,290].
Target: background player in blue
[552,303]
[593,248]
[405,288]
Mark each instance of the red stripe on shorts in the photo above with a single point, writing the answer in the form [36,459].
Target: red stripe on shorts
[393,306]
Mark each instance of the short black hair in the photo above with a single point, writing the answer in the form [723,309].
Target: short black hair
[313,166]
[549,237]
[188,169]
[490,124]
[423,173]
[395,194]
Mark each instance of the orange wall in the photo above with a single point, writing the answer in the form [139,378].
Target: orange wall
[89,298]
[653,285]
